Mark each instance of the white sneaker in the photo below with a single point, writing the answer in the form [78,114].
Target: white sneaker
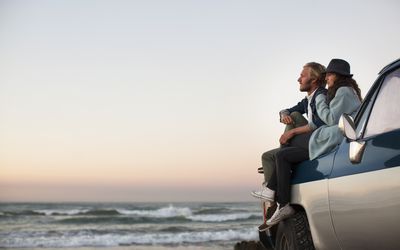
[265,194]
[281,214]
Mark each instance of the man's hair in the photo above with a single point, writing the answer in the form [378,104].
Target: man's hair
[317,72]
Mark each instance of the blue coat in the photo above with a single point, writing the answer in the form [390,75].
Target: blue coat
[328,136]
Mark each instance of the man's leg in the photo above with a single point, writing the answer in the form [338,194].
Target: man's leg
[300,141]
[268,163]
[285,160]
[268,158]
[298,121]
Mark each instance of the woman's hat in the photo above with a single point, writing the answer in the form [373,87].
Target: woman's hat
[339,66]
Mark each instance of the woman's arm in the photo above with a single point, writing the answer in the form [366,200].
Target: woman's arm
[345,101]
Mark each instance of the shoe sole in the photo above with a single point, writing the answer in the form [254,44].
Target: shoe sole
[270,224]
[263,227]
[261,197]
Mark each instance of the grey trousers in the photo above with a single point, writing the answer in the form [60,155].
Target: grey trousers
[268,158]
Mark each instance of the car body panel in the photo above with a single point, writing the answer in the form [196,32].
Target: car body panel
[364,198]
[317,169]
[381,151]
[313,197]
[365,209]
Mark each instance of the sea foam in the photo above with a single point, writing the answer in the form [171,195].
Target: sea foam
[86,239]
[163,212]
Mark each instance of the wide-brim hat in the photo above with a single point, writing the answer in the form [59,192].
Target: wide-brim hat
[339,66]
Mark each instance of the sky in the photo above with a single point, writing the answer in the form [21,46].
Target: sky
[164,100]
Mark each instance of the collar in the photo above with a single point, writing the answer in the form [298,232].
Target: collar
[311,95]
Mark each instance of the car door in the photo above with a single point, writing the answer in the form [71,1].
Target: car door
[365,196]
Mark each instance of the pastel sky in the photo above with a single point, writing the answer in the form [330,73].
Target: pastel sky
[164,100]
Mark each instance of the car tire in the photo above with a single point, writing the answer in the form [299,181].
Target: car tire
[294,233]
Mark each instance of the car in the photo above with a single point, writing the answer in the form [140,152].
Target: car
[350,198]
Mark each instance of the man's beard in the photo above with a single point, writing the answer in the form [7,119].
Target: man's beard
[306,86]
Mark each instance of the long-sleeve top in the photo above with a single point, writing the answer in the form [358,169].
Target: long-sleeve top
[328,136]
[303,108]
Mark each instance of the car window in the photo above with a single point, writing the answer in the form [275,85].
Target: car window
[363,113]
[362,121]
[386,112]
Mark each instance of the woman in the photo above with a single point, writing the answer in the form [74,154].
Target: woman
[344,96]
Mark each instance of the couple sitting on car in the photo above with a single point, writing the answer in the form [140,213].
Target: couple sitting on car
[302,139]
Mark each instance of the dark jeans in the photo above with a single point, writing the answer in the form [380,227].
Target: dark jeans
[286,158]
[268,158]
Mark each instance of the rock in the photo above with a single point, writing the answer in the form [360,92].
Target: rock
[249,245]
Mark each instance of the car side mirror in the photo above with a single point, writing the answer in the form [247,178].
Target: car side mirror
[347,127]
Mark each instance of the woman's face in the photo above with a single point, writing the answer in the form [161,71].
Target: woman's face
[330,79]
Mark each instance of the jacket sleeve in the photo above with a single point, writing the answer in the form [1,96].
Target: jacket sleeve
[345,101]
[319,98]
[312,125]
[300,107]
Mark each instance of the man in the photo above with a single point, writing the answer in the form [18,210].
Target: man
[312,81]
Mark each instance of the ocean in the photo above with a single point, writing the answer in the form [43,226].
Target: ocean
[144,226]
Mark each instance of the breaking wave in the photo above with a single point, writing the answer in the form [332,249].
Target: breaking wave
[90,239]
[112,224]
[126,216]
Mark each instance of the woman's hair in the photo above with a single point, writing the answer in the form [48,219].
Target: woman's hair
[317,71]
[343,81]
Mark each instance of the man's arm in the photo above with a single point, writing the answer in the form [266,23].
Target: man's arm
[285,137]
[285,114]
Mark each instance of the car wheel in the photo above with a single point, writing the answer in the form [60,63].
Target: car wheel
[294,233]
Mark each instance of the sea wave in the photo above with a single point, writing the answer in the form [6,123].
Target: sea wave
[217,210]
[224,217]
[132,216]
[55,212]
[90,239]
[118,220]
[164,212]
[44,212]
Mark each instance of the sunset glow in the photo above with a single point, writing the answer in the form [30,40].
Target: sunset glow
[163,100]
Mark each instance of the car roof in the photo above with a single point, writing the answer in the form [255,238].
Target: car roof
[390,66]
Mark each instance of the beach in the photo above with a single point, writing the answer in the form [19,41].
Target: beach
[123,226]
[143,248]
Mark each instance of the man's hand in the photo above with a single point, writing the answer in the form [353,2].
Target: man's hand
[285,138]
[287,119]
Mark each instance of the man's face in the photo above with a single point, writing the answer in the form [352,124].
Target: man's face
[305,80]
